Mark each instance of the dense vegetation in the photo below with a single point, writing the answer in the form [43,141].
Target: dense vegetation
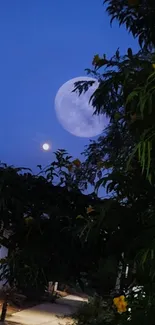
[107,245]
[123,158]
[40,227]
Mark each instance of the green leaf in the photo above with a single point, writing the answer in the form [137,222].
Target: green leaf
[79,217]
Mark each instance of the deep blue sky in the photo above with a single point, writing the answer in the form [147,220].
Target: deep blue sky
[43,44]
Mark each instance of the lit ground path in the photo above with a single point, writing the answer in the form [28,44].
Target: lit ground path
[48,313]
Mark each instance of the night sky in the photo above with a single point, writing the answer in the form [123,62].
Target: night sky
[44,43]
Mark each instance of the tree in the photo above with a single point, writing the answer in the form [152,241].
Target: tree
[122,159]
[138,17]
[44,228]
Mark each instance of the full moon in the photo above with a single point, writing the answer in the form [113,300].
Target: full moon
[75,113]
[46,146]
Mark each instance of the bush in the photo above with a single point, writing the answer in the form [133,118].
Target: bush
[141,310]
[96,312]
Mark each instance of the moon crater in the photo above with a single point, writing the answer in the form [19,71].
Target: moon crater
[75,113]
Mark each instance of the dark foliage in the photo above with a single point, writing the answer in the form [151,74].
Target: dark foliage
[137,16]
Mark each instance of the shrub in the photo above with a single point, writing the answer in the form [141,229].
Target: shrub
[96,312]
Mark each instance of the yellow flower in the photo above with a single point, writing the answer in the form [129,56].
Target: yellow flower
[119,299]
[28,220]
[96,59]
[90,209]
[99,62]
[77,162]
[100,164]
[122,306]
[120,303]
[122,298]
[70,167]
[153,65]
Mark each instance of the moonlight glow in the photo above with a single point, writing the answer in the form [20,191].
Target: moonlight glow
[46,146]
[75,113]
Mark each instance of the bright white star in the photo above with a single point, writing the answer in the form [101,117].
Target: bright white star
[46,146]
